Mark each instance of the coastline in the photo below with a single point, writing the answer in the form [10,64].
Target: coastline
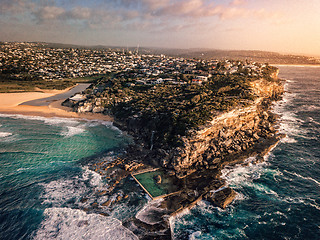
[10,104]
[297,65]
[172,205]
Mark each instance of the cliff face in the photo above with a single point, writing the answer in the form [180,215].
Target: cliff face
[228,137]
[229,134]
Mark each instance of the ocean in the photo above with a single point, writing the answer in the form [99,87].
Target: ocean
[279,198]
[44,176]
[44,179]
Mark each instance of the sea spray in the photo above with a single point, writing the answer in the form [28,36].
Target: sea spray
[66,223]
[42,172]
[279,199]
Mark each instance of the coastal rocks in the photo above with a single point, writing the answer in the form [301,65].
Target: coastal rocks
[158,179]
[97,109]
[221,197]
[86,107]
[229,134]
[68,103]
[133,166]
[87,103]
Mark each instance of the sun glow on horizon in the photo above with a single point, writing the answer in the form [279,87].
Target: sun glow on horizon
[280,26]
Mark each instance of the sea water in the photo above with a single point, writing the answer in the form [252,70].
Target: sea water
[44,174]
[280,198]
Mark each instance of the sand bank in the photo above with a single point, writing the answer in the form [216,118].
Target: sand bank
[9,104]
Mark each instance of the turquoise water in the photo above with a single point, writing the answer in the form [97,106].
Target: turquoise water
[43,174]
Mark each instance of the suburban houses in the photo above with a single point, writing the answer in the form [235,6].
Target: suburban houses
[41,62]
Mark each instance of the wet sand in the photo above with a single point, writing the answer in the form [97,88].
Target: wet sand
[10,104]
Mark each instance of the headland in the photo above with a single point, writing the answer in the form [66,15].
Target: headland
[189,132]
[189,119]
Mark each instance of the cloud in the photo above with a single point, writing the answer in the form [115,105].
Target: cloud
[15,6]
[155,4]
[123,13]
[49,13]
[188,8]
[80,13]
[201,9]
[238,2]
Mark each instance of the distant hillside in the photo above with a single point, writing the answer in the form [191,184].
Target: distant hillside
[257,56]
[206,54]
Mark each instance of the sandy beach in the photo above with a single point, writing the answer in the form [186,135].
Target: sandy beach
[9,104]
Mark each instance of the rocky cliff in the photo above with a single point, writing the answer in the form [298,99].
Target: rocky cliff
[229,134]
[189,127]
[194,166]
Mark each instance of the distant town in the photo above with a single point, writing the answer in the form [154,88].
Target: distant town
[39,62]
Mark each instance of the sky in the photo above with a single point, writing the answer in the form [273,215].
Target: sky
[285,26]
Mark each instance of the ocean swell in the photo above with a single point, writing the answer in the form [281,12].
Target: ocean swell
[66,223]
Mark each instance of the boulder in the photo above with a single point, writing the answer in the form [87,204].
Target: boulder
[87,107]
[158,179]
[221,198]
[98,109]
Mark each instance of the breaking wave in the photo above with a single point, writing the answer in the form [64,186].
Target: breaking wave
[70,126]
[5,134]
[66,223]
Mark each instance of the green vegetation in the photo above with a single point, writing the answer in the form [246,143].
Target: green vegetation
[29,86]
[170,110]
[86,79]
[29,83]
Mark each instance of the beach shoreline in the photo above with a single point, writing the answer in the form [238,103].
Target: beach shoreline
[10,104]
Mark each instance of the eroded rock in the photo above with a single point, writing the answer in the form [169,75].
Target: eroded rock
[221,198]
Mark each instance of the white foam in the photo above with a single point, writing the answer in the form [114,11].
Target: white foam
[289,123]
[206,208]
[314,121]
[109,124]
[281,214]
[73,130]
[59,121]
[315,206]
[73,126]
[310,108]
[102,199]
[95,178]
[305,178]
[5,134]
[195,235]
[126,209]
[288,139]
[240,174]
[263,188]
[63,190]
[66,223]
[49,121]
[151,213]
[241,197]
[24,169]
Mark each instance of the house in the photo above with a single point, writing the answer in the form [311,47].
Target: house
[200,79]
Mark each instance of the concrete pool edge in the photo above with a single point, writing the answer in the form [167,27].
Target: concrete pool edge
[141,185]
